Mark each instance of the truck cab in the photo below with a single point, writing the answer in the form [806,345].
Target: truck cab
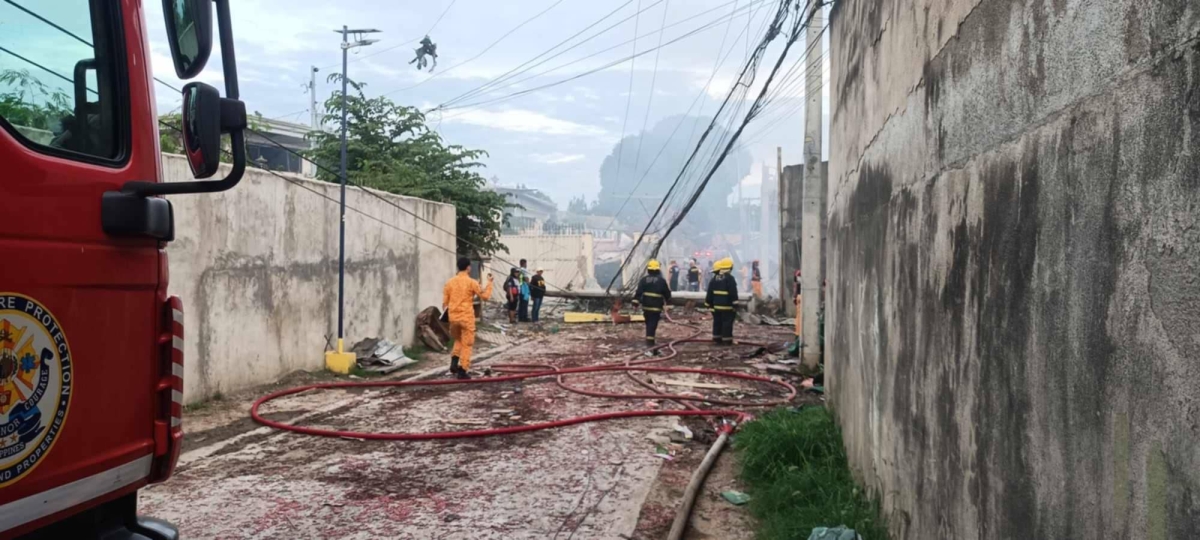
[91,358]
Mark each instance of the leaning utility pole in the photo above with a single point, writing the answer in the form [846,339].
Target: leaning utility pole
[813,207]
[341,361]
[785,276]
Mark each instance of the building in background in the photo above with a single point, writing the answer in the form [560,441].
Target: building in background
[534,209]
[268,155]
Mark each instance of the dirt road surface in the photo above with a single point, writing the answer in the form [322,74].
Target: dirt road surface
[237,479]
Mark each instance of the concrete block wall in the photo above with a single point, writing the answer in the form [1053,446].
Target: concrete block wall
[569,259]
[256,268]
[1013,326]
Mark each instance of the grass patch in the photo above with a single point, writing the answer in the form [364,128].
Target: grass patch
[197,407]
[796,470]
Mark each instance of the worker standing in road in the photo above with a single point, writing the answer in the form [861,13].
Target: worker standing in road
[693,277]
[537,291]
[756,279]
[523,299]
[458,298]
[673,270]
[722,293]
[653,294]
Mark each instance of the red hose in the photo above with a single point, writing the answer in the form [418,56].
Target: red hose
[527,371]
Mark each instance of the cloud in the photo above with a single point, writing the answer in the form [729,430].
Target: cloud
[556,158]
[525,121]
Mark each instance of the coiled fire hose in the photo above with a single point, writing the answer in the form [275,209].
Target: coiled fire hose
[517,372]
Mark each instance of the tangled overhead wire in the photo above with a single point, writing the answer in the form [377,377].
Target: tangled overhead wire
[788,9]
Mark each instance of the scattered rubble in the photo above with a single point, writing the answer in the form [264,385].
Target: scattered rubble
[378,355]
[432,330]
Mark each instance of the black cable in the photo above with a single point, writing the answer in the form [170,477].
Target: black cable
[776,27]
[301,185]
[479,89]
[43,68]
[628,102]
[481,53]
[47,21]
[716,67]
[398,45]
[686,35]
[637,157]
[260,134]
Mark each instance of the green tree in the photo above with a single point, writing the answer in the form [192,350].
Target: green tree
[578,205]
[170,134]
[30,103]
[390,148]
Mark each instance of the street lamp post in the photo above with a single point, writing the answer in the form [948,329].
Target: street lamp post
[341,361]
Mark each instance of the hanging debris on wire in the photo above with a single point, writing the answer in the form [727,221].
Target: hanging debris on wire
[426,52]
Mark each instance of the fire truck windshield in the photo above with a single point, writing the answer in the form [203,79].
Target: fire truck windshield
[61,78]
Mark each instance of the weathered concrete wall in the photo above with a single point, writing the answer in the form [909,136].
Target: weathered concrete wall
[256,268]
[569,259]
[1014,311]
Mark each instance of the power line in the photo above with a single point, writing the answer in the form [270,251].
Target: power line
[482,87]
[703,91]
[774,30]
[371,192]
[653,79]
[628,101]
[297,154]
[686,35]
[481,53]
[398,45]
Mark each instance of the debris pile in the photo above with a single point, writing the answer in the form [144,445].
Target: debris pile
[432,330]
[378,355]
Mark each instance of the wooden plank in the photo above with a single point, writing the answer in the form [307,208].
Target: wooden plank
[578,317]
[673,382]
[467,422]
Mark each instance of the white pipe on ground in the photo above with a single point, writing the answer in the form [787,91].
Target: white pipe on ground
[693,487]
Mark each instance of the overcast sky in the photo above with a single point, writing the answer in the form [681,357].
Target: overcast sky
[553,139]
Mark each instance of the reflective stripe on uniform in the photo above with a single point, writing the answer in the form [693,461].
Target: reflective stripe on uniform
[40,505]
[722,293]
[651,309]
[724,308]
[652,294]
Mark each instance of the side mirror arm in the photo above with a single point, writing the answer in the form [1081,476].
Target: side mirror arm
[233,121]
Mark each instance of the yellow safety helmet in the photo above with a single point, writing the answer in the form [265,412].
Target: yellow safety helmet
[723,264]
[653,265]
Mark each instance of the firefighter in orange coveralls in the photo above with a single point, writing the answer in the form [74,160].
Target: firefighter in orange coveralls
[458,298]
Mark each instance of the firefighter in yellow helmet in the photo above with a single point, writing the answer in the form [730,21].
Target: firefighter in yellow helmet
[722,293]
[652,294]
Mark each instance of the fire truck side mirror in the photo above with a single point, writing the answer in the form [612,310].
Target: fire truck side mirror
[189,32]
[202,128]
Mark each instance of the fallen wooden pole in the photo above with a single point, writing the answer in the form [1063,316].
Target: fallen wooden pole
[678,298]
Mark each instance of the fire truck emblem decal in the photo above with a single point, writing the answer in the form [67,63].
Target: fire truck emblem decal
[35,384]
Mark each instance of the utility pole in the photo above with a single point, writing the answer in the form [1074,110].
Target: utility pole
[341,361]
[783,273]
[312,98]
[813,206]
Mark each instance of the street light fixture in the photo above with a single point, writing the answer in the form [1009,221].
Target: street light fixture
[341,361]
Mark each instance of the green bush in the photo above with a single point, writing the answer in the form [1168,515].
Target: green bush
[795,468]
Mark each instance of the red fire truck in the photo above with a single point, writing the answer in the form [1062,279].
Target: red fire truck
[91,358]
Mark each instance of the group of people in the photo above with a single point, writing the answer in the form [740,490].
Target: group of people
[523,291]
[654,292]
[695,278]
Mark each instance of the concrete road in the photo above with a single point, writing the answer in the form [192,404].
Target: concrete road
[239,480]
